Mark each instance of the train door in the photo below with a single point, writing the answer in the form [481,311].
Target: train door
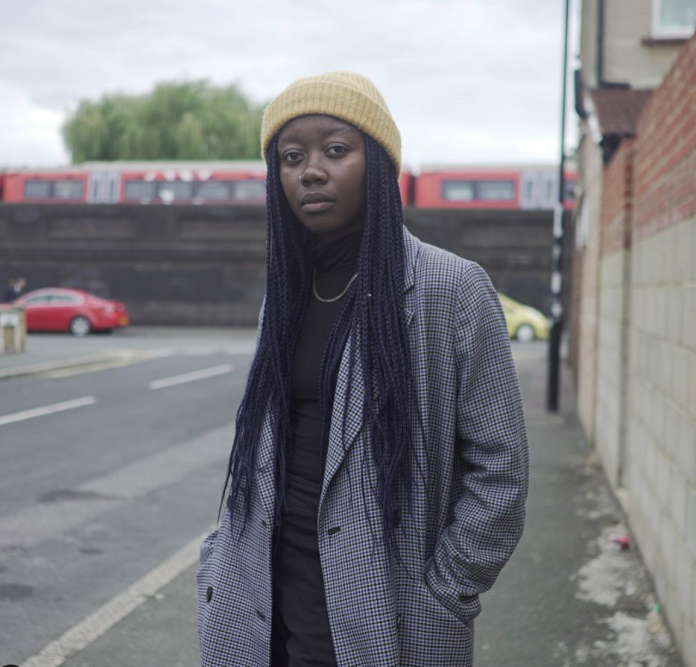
[530,184]
[104,187]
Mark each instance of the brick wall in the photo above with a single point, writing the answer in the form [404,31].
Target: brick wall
[617,200]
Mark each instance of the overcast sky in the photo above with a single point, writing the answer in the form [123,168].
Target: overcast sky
[467,81]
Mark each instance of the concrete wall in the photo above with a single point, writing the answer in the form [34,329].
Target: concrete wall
[612,382]
[630,55]
[588,245]
[644,372]
[662,415]
[206,264]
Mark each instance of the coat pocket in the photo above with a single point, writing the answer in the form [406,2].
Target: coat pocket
[448,596]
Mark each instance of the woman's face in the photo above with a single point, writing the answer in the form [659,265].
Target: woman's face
[322,170]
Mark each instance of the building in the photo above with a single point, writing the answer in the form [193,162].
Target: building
[633,312]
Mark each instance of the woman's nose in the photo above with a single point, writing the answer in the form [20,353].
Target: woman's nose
[313,173]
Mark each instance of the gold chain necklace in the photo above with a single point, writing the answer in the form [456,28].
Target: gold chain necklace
[336,298]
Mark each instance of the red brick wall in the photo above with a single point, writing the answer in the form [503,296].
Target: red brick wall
[665,160]
[617,200]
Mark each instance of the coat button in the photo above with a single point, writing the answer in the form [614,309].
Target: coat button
[209,594]
[263,522]
[334,530]
[261,615]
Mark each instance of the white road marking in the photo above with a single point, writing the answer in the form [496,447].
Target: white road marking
[96,624]
[191,377]
[47,410]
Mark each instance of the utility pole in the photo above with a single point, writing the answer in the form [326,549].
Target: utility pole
[554,365]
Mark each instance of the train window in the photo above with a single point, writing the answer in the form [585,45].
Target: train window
[139,190]
[67,189]
[173,190]
[569,190]
[37,189]
[458,190]
[248,190]
[496,190]
[213,190]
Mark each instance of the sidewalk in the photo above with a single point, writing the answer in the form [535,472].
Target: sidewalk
[566,599]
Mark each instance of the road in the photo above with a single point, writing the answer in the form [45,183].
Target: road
[97,494]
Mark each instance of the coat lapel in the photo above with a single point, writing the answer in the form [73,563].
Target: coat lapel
[265,477]
[347,420]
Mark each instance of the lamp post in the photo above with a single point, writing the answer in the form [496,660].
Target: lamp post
[554,351]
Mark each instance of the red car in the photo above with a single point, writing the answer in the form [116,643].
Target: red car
[63,309]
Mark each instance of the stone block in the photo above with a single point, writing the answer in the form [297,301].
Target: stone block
[692,384]
[681,375]
[689,317]
[684,250]
[670,433]
[677,499]
[675,308]
[690,518]
[685,455]
[661,478]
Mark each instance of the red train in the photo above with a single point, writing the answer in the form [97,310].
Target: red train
[520,186]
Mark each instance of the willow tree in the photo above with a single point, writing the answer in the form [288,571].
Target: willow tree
[176,121]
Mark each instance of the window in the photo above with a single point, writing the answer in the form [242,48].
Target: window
[674,18]
[478,190]
[496,190]
[63,299]
[248,190]
[139,190]
[173,190]
[53,189]
[458,191]
[40,300]
[37,189]
[213,190]
[67,189]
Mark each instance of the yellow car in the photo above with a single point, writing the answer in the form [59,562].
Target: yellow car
[524,322]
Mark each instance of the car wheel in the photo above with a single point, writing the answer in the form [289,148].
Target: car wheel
[525,333]
[80,326]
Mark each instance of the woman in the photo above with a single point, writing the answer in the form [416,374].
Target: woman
[379,468]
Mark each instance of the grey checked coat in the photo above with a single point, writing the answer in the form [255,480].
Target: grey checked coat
[469,492]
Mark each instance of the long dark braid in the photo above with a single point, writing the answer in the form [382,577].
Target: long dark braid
[372,320]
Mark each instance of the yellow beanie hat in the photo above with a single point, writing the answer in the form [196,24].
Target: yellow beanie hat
[345,95]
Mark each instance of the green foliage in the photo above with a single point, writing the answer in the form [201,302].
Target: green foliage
[176,121]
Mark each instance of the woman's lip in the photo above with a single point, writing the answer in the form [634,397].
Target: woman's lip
[317,206]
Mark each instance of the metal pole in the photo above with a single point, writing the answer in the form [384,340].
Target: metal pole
[554,365]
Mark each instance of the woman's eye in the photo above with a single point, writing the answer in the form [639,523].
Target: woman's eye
[337,150]
[292,156]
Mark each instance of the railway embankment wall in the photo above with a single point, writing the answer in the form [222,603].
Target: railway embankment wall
[205,265]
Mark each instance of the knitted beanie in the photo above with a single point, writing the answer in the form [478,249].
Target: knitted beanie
[345,95]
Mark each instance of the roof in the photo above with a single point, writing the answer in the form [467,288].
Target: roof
[617,109]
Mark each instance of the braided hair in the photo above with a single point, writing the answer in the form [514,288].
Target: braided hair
[371,320]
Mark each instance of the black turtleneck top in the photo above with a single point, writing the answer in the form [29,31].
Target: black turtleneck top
[301,633]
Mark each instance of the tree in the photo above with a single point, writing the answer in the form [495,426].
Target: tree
[176,121]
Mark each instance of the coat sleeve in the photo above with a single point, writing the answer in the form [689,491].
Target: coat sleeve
[491,438]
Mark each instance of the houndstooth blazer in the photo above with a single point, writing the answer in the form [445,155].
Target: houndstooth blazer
[470,473]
